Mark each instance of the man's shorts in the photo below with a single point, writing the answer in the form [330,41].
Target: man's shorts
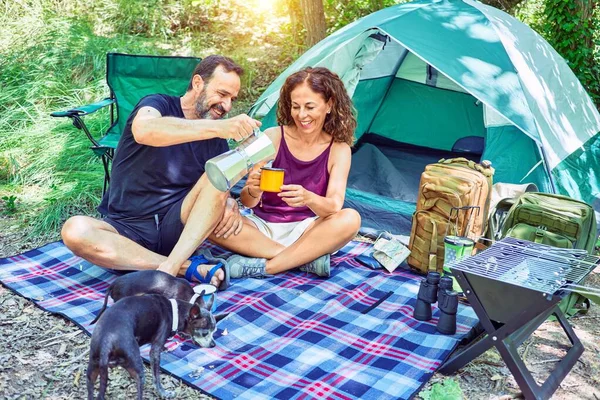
[285,233]
[156,233]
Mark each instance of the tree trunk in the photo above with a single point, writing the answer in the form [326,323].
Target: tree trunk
[293,7]
[587,14]
[314,20]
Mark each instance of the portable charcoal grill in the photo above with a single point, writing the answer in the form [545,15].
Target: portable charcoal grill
[514,286]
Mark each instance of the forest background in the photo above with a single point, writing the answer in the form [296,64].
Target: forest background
[52,57]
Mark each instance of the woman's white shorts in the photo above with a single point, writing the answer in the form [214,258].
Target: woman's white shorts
[285,233]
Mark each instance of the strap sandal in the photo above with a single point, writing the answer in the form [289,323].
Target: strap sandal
[205,257]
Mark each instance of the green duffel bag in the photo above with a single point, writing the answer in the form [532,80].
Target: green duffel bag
[557,221]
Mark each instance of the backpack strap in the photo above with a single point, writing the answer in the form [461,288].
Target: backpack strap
[433,245]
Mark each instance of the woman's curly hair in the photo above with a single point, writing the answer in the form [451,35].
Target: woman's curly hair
[341,122]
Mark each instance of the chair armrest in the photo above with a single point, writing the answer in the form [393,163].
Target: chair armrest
[83,110]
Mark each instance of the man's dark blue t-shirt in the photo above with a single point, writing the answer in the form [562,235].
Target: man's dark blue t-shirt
[148,180]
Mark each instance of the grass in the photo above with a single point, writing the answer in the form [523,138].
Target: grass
[52,58]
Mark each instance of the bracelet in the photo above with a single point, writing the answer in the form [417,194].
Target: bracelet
[250,193]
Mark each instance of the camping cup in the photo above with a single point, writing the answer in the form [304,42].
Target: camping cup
[468,246]
[209,290]
[271,179]
[225,170]
[453,251]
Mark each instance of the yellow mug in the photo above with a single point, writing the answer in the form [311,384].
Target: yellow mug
[271,179]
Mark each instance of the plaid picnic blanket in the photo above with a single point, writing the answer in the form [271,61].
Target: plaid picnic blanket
[293,336]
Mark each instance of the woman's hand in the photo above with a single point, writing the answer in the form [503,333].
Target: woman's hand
[295,195]
[253,184]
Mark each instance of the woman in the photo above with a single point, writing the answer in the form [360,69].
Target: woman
[305,222]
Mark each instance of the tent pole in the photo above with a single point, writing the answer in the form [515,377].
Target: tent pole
[255,106]
[543,154]
[396,68]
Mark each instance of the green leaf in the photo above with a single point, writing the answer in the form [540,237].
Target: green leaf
[449,389]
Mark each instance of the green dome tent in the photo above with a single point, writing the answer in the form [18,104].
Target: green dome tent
[438,78]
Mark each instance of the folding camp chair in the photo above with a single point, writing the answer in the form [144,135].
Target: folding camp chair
[130,77]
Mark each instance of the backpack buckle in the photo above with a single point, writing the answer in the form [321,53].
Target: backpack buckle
[539,233]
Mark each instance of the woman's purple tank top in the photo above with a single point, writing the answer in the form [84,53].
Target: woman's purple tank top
[312,175]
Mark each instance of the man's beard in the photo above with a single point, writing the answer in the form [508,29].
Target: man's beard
[203,109]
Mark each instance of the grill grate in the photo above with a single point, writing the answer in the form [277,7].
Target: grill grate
[530,265]
[503,285]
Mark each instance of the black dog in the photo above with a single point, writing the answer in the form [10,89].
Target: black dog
[147,282]
[137,320]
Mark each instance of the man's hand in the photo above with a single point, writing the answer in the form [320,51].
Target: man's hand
[238,128]
[295,195]
[231,223]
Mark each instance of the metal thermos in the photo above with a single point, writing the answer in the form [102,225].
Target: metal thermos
[225,170]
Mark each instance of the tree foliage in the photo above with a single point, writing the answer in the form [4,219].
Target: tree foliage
[340,12]
[506,5]
[572,28]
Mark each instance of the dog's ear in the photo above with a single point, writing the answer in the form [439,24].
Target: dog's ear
[220,317]
[209,304]
[200,301]
[194,311]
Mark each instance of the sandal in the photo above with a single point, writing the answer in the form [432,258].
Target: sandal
[205,257]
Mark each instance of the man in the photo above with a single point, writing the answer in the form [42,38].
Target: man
[160,206]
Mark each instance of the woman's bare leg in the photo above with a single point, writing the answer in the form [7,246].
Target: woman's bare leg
[325,236]
[249,242]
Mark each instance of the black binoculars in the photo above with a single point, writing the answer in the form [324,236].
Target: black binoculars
[437,289]
[428,292]
[448,306]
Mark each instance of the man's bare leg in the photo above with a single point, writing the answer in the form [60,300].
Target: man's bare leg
[201,211]
[100,243]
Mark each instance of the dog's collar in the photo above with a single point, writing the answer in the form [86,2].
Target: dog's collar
[175,315]
[194,297]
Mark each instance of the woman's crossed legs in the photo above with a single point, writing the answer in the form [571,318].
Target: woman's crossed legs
[264,256]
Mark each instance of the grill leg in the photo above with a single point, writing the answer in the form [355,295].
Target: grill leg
[507,338]
[467,354]
[508,350]
[527,384]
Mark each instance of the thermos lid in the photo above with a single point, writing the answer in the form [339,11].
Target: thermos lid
[454,240]
[467,242]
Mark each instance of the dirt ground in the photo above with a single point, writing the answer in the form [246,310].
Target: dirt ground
[43,356]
